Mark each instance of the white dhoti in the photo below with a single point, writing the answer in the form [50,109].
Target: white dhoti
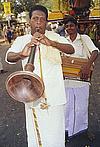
[76,112]
[51,124]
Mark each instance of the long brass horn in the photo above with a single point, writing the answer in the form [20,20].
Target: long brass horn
[25,86]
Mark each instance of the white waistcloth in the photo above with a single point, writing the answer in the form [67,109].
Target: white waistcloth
[75,83]
[51,126]
[76,112]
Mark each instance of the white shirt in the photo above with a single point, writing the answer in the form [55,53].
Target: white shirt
[52,71]
[82,45]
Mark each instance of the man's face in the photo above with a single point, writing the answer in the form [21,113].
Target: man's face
[38,22]
[71,28]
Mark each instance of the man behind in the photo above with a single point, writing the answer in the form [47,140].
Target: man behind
[78,91]
[51,120]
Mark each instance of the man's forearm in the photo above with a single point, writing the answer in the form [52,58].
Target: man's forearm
[93,57]
[14,57]
[66,48]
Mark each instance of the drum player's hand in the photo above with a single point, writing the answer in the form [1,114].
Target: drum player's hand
[84,74]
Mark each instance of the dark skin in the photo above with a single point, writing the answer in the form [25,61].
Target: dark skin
[38,24]
[71,29]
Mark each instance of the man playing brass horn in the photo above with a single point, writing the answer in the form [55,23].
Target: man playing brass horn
[49,128]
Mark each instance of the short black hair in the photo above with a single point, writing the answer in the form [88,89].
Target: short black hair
[70,19]
[40,8]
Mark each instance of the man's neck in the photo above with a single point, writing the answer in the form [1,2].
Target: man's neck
[73,36]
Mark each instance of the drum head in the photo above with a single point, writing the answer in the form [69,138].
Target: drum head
[24,86]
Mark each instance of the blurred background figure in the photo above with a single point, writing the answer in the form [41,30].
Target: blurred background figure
[60,29]
[27,29]
[9,34]
[82,28]
[54,26]
[48,27]
[4,32]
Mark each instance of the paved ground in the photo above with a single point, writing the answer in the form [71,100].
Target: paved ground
[12,116]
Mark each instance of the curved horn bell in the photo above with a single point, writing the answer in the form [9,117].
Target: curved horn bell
[25,86]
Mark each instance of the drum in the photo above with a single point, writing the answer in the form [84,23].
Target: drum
[71,67]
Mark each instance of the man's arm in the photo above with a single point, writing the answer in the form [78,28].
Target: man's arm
[93,57]
[66,48]
[14,57]
[41,38]
[86,69]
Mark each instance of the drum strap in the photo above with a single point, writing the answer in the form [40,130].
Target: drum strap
[85,47]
